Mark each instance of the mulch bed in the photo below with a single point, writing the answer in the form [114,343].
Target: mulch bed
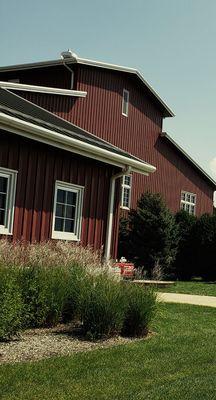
[63,340]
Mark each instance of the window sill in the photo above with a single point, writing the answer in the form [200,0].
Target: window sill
[5,231]
[125,208]
[65,236]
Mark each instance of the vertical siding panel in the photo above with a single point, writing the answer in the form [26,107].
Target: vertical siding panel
[38,197]
[30,194]
[20,192]
[47,199]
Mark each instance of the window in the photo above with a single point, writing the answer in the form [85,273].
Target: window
[67,213]
[7,199]
[125,102]
[188,202]
[126,191]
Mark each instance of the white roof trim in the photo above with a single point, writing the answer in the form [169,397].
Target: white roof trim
[92,63]
[171,140]
[41,89]
[32,131]
[129,70]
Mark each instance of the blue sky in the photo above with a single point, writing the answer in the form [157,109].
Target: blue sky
[172,42]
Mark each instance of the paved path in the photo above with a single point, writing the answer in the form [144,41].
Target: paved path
[209,301]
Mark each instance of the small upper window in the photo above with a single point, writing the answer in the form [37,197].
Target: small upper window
[7,199]
[188,202]
[126,191]
[125,102]
[67,213]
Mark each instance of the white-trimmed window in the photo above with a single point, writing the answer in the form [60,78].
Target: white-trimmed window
[125,102]
[7,200]
[188,202]
[67,212]
[126,191]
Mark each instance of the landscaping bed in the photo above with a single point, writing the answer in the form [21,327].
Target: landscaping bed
[176,363]
[62,340]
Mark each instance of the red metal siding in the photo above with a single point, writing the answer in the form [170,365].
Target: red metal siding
[139,133]
[39,166]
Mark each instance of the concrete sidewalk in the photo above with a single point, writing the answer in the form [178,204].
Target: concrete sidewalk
[209,301]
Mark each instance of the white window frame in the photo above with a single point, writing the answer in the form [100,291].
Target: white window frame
[126,103]
[188,203]
[79,190]
[125,186]
[11,175]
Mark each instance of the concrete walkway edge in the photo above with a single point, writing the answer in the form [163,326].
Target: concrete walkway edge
[209,301]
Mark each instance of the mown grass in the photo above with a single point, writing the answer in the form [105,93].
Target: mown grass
[177,363]
[192,287]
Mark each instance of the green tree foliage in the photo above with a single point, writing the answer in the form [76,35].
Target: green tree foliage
[203,247]
[152,234]
[184,266]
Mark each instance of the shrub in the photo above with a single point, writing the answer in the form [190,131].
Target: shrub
[140,308]
[10,304]
[203,247]
[43,293]
[75,287]
[184,265]
[102,307]
[153,234]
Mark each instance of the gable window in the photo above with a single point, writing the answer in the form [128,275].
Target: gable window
[125,102]
[188,202]
[126,192]
[7,200]
[67,212]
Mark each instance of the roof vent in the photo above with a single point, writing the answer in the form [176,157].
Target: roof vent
[69,54]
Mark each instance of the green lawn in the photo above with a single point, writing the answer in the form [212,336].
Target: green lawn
[179,362]
[193,287]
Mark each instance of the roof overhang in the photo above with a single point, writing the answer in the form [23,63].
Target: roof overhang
[191,161]
[167,112]
[47,136]
[41,89]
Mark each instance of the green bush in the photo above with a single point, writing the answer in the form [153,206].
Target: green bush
[43,294]
[152,236]
[140,308]
[184,265]
[102,307]
[75,286]
[10,304]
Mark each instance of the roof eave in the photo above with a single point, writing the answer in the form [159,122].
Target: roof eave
[194,163]
[167,112]
[36,132]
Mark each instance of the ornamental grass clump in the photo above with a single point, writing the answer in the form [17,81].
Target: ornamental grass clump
[11,305]
[102,307]
[140,308]
[43,293]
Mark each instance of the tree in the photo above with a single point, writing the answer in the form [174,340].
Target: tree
[203,247]
[184,265]
[152,234]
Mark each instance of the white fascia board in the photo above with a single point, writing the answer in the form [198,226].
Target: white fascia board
[32,131]
[92,63]
[127,70]
[41,89]
[181,150]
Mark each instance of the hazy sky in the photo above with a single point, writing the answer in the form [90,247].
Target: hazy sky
[172,42]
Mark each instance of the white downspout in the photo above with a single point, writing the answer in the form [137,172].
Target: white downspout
[125,171]
[72,75]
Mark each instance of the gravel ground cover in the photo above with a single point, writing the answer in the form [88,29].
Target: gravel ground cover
[37,344]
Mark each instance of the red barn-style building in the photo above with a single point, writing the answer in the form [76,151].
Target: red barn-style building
[111,108]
